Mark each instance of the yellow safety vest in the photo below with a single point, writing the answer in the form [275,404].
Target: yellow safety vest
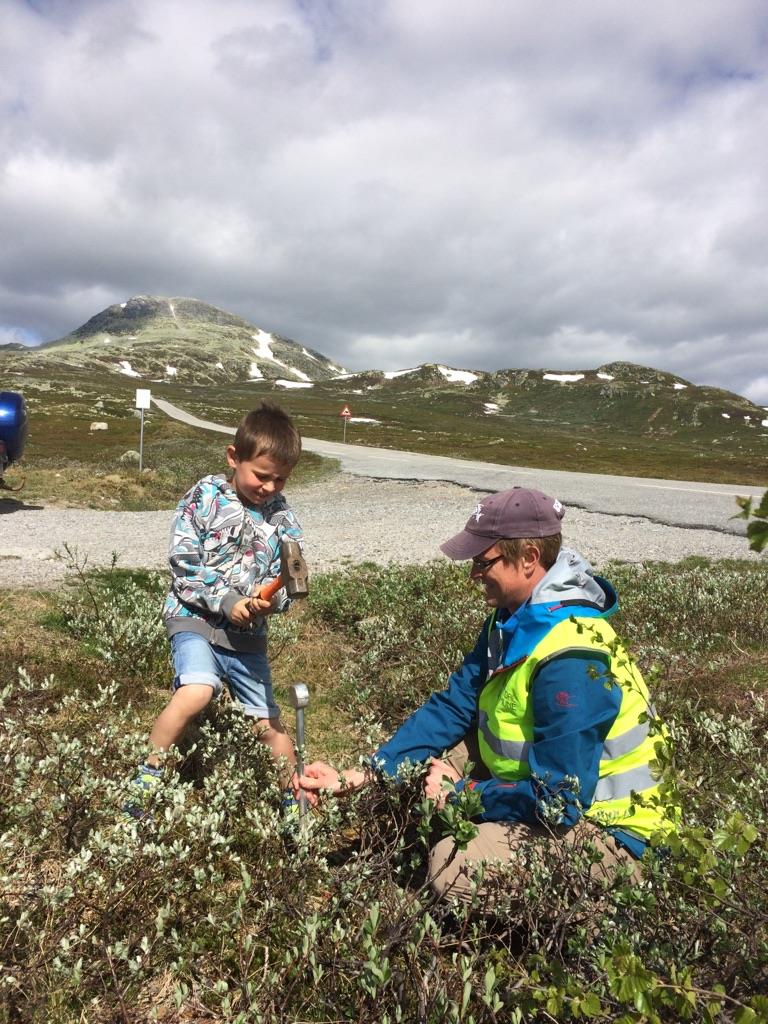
[505,723]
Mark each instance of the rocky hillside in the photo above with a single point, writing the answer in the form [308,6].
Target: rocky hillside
[620,396]
[185,340]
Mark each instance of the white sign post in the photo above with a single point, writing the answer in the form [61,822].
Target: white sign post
[345,414]
[143,400]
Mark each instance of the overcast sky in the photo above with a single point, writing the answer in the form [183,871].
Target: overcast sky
[483,183]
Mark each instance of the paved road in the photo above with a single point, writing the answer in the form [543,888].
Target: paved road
[669,502]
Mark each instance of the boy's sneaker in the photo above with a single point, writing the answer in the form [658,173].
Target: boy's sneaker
[290,814]
[146,782]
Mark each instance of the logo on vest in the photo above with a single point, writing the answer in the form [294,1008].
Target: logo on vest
[563,699]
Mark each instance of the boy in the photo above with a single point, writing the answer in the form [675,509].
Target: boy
[225,541]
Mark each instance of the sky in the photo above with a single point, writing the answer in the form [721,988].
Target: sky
[488,184]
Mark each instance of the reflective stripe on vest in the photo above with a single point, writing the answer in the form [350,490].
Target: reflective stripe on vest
[617,747]
[623,784]
[621,745]
[504,748]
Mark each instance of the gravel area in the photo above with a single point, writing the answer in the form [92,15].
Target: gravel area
[348,519]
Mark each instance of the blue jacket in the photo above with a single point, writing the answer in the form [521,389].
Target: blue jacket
[571,718]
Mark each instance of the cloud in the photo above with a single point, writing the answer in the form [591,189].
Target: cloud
[392,183]
[757,391]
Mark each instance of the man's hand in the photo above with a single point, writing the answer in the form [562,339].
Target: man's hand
[319,775]
[435,782]
[241,613]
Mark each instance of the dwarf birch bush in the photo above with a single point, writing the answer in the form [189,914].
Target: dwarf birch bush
[200,912]
[116,614]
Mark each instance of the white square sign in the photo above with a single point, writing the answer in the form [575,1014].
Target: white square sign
[143,398]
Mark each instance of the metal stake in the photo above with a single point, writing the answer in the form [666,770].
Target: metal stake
[141,444]
[299,696]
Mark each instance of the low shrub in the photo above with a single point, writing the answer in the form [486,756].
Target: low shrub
[201,912]
[676,613]
[116,615]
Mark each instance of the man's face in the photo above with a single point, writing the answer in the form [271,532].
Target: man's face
[506,585]
[259,479]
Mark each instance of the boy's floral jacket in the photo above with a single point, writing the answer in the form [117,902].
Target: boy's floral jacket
[220,550]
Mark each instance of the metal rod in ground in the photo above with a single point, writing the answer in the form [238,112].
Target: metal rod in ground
[141,444]
[299,694]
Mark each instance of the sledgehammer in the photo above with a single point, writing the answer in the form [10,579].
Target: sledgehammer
[299,695]
[293,573]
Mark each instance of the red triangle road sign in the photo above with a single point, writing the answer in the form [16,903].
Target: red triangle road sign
[345,412]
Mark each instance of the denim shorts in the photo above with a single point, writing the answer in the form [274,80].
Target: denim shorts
[247,674]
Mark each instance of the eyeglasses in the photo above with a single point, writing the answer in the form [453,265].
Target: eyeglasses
[484,564]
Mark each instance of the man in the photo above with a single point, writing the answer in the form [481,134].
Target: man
[548,704]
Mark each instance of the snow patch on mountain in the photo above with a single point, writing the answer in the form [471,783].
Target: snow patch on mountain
[292,383]
[457,376]
[264,351]
[564,378]
[127,369]
[299,373]
[391,374]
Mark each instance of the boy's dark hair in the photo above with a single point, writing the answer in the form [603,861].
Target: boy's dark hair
[549,548]
[268,430]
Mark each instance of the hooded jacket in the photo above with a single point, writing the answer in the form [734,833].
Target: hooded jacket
[571,715]
[220,549]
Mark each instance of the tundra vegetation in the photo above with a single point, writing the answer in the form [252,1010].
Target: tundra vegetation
[201,912]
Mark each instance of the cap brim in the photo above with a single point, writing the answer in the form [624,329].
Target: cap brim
[465,545]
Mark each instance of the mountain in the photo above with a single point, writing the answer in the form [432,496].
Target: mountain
[183,340]
[615,418]
[615,396]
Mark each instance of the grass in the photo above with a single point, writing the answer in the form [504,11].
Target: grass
[175,456]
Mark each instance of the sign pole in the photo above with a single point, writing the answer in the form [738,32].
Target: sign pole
[143,399]
[345,414]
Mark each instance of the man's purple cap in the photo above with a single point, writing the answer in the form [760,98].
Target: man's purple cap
[520,512]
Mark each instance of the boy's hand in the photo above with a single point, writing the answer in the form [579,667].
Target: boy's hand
[241,613]
[258,606]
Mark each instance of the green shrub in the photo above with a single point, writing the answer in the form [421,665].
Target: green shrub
[408,628]
[116,615]
[676,613]
[200,912]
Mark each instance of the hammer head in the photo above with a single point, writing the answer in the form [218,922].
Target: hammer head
[293,569]
[299,695]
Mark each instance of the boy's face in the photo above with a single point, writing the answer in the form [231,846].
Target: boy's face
[259,479]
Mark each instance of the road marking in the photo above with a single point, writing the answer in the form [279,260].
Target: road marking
[693,490]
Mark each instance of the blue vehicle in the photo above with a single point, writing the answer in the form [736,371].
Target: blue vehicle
[14,426]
